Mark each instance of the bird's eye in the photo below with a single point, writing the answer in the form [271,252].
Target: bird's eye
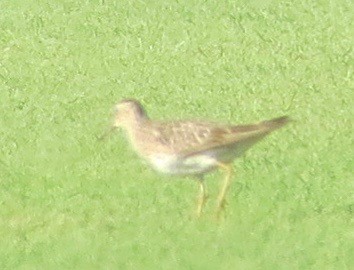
[116,109]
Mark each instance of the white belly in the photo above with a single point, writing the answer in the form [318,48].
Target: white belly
[171,164]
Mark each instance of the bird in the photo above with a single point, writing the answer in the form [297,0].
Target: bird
[190,147]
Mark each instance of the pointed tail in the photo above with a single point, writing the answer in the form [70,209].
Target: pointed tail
[275,123]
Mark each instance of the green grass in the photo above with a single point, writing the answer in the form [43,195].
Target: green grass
[68,201]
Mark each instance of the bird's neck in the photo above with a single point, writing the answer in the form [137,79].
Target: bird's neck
[135,126]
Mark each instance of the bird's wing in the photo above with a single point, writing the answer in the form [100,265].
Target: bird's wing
[183,135]
[219,137]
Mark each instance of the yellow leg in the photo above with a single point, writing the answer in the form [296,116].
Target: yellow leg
[227,181]
[202,197]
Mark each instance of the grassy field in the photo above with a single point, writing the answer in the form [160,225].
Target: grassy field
[68,201]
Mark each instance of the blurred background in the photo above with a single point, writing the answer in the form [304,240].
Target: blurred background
[69,201]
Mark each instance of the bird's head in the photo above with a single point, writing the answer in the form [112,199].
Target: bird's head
[127,114]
